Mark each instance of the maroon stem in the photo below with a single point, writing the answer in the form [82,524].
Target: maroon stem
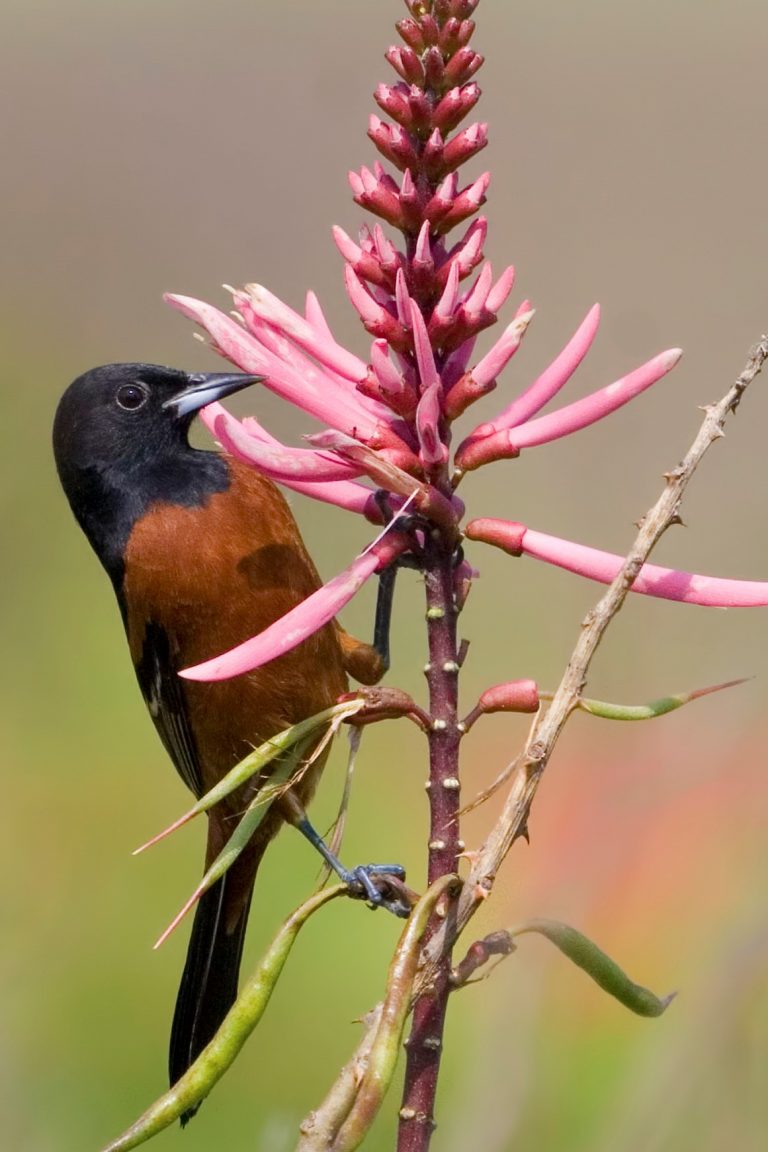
[424,1045]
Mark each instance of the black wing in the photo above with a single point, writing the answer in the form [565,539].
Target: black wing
[163,691]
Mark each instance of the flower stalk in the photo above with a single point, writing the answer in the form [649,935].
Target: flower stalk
[425,1042]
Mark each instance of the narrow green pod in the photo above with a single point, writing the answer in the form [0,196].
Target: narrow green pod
[238,1024]
[583,952]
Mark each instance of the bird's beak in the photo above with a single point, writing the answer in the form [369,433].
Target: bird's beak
[206,387]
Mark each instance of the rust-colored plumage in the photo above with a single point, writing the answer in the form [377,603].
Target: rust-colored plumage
[211,577]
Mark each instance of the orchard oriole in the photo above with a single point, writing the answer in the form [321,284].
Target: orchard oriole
[202,552]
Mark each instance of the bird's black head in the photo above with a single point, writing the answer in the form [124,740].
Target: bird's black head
[120,443]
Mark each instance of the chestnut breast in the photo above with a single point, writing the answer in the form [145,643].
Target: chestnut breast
[213,576]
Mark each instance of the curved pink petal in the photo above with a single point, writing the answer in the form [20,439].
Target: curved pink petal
[506,443]
[465,203]
[456,364]
[552,379]
[213,412]
[313,339]
[315,314]
[423,260]
[346,494]
[277,341]
[425,357]
[474,302]
[389,378]
[376,319]
[467,253]
[306,618]
[446,305]
[597,405]
[277,460]
[667,583]
[503,350]
[390,259]
[432,451]
[652,580]
[403,299]
[383,471]
[499,294]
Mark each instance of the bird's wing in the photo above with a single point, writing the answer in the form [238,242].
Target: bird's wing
[163,691]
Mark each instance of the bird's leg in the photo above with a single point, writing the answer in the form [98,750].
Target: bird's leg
[405,522]
[383,619]
[361,880]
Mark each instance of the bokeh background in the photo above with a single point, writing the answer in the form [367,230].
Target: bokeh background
[177,145]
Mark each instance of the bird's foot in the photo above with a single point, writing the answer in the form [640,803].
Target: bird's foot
[381,885]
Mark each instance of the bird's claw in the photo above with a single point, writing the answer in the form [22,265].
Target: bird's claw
[381,885]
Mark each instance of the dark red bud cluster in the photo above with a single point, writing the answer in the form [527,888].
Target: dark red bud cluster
[412,302]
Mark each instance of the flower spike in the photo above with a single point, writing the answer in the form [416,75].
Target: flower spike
[384,454]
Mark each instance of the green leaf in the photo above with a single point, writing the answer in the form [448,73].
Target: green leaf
[246,826]
[257,760]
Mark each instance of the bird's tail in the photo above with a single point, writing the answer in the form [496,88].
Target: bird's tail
[208,986]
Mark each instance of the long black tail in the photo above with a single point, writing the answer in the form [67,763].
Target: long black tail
[208,986]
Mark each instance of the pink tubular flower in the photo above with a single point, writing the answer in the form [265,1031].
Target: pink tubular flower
[289,631]
[652,580]
[346,494]
[305,385]
[389,419]
[499,444]
[546,386]
[277,461]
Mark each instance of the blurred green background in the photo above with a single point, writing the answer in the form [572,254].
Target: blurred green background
[174,146]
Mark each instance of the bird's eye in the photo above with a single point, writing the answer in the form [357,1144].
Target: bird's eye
[131,396]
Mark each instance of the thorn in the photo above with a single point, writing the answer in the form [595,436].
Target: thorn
[523,834]
[471,854]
